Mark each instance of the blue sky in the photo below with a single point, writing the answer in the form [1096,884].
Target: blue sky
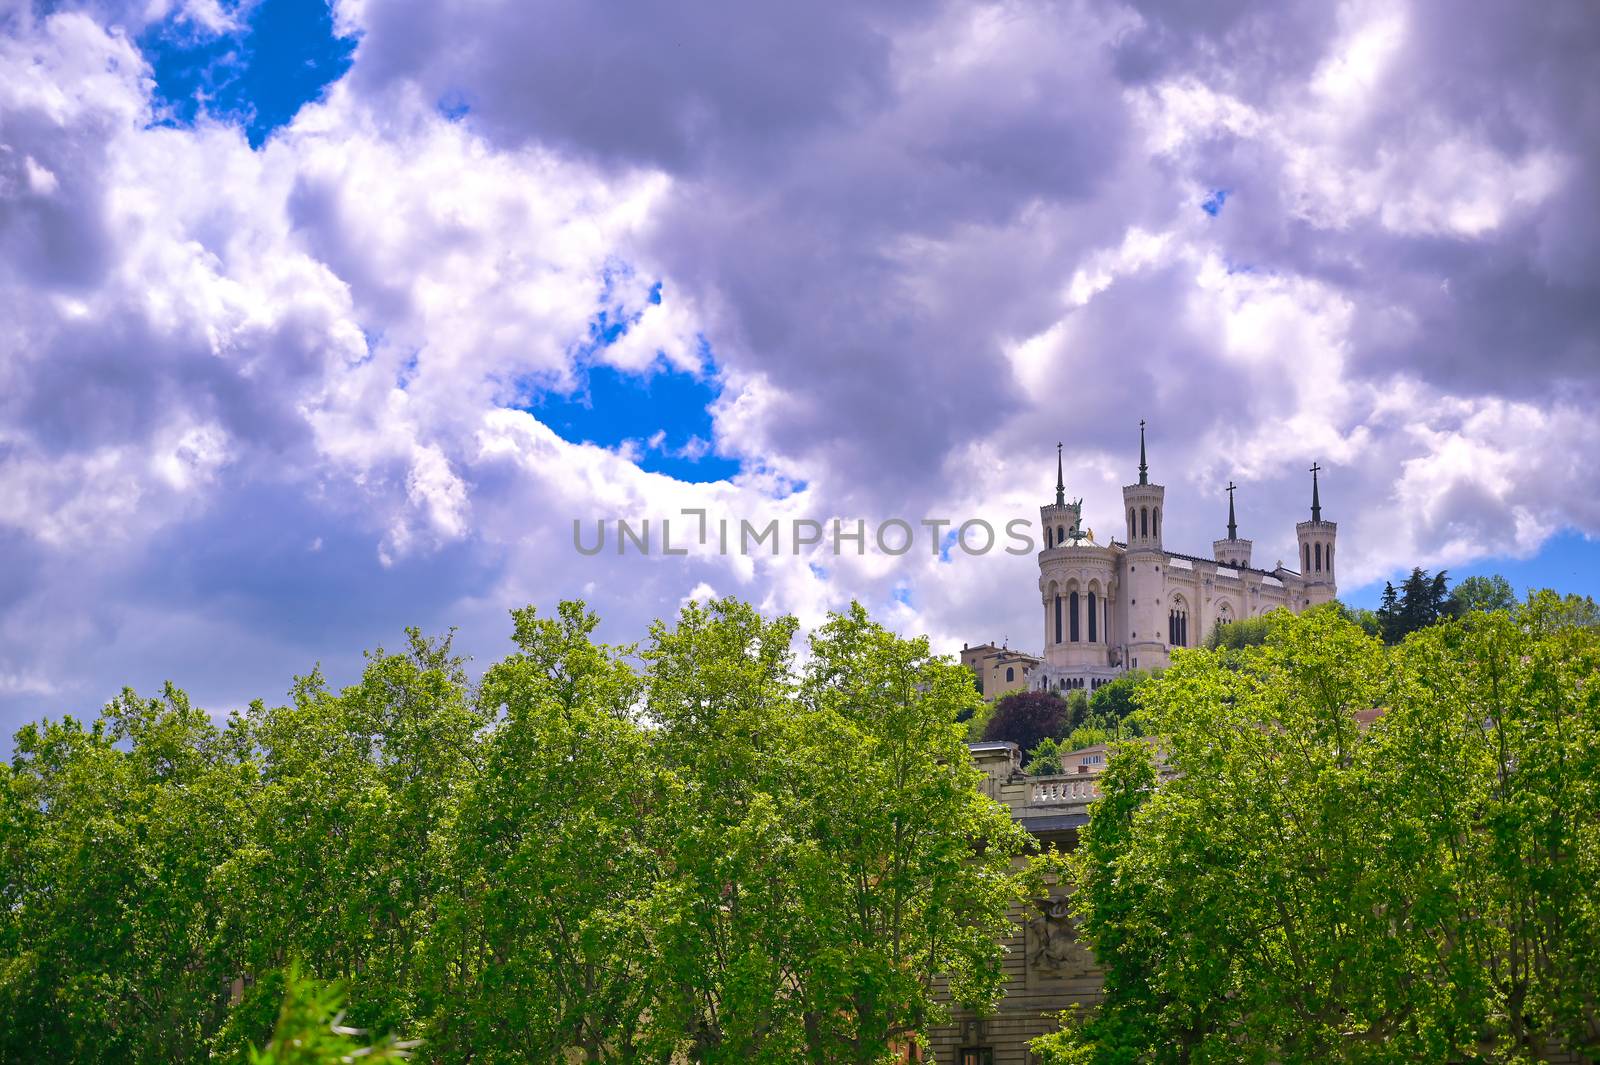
[282,56]
[331,320]
[1566,562]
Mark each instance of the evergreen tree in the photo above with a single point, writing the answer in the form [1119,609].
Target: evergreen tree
[1389,614]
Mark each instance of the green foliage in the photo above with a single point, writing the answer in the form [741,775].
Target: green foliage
[1421,601]
[1045,759]
[1573,611]
[1481,593]
[310,1030]
[1024,718]
[1309,887]
[698,850]
[1245,632]
[1118,700]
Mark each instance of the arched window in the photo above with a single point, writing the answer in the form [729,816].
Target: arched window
[1047,537]
[1317,554]
[1092,619]
[1308,558]
[1011,674]
[1155,523]
[1058,619]
[1144,521]
[1061,534]
[1072,619]
[1132,525]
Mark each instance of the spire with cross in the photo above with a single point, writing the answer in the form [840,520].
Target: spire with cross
[1144,467]
[1316,501]
[1233,526]
[1061,485]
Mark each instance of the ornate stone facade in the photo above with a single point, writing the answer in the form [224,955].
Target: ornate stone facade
[1125,604]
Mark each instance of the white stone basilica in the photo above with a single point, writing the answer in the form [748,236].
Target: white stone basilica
[1125,605]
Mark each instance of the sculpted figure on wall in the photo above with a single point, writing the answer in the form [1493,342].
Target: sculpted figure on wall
[1053,946]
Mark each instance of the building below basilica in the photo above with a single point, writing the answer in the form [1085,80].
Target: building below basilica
[1047,968]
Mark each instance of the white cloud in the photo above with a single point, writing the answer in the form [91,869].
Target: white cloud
[922,245]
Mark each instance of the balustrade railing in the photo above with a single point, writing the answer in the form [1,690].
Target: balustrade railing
[1065,790]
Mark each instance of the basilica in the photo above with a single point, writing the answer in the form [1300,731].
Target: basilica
[1125,605]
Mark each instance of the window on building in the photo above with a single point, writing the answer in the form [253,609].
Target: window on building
[1011,674]
[1144,521]
[1058,619]
[1072,617]
[1093,628]
[976,1056]
[1155,522]
[1132,525]
[1307,566]
[1047,536]
[1317,554]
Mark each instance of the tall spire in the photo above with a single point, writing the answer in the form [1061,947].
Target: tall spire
[1233,526]
[1144,467]
[1061,486]
[1316,500]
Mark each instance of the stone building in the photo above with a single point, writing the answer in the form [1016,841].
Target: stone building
[1125,604]
[1047,968]
[999,669]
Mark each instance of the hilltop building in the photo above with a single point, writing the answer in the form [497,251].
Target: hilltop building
[1124,605]
[999,670]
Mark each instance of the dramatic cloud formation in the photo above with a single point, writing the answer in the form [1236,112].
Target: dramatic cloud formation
[272,387]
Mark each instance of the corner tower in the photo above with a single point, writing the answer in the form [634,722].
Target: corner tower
[1316,538]
[1078,591]
[1143,503]
[1060,519]
[1146,626]
[1231,551]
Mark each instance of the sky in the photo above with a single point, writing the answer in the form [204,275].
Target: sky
[320,322]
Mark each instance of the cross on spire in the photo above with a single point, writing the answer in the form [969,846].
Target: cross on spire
[1061,486]
[1233,526]
[1144,467]
[1316,500]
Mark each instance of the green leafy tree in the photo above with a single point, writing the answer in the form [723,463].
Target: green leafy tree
[1575,611]
[1314,885]
[1481,593]
[110,833]
[310,1030]
[1118,700]
[356,797]
[537,948]
[1245,632]
[1045,759]
[721,695]
[716,857]
[895,898]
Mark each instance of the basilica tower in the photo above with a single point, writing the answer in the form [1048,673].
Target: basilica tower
[1143,503]
[1078,590]
[1316,538]
[1231,551]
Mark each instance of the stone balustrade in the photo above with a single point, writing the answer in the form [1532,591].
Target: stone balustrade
[1065,789]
